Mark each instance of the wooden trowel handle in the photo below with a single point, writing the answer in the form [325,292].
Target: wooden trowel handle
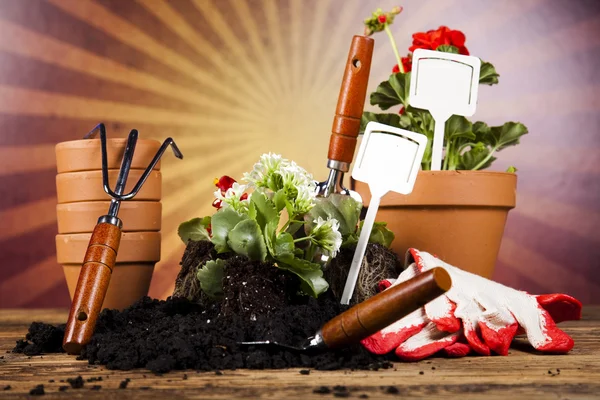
[385,308]
[351,100]
[93,282]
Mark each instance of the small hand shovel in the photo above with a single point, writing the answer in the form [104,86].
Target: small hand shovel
[373,314]
[346,123]
[445,84]
[388,159]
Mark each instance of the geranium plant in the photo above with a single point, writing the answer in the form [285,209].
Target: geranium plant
[468,145]
[275,216]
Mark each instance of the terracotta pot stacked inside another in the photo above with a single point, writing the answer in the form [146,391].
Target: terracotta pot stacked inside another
[82,200]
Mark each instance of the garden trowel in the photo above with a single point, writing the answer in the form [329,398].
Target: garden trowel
[346,123]
[373,314]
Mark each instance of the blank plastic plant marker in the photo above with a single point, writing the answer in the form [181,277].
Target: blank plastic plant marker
[388,160]
[445,84]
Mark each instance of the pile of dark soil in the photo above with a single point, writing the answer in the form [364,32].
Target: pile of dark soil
[179,334]
[193,332]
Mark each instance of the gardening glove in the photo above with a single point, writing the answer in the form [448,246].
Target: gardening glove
[475,314]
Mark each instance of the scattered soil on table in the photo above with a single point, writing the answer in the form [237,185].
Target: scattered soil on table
[37,391]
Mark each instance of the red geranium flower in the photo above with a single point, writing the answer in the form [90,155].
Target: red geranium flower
[406,63]
[433,39]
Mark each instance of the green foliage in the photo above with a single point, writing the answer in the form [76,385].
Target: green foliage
[380,234]
[271,227]
[196,229]
[223,222]
[447,48]
[488,74]
[467,145]
[211,278]
[247,239]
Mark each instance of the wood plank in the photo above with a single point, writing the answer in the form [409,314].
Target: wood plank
[523,373]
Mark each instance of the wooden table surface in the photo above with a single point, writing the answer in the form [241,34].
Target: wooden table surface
[521,374]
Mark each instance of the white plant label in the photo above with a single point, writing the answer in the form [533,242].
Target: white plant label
[388,160]
[445,84]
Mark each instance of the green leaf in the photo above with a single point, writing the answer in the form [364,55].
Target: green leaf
[270,235]
[265,209]
[447,48]
[384,118]
[473,158]
[310,274]
[223,221]
[392,92]
[481,131]
[511,169]
[380,234]
[211,278]
[488,74]
[284,247]
[507,134]
[279,200]
[343,208]
[459,127]
[247,239]
[195,230]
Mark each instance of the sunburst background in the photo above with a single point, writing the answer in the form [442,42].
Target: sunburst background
[231,79]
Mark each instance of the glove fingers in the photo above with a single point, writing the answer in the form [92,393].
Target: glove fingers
[498,330]
[428,341]
[390,337]
[561,307]
[540,328]
[470,330]
[458,349]
[441,312]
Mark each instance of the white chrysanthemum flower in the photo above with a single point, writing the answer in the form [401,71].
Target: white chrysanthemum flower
[263,170]
[234,198]
[274,173]
[326,235]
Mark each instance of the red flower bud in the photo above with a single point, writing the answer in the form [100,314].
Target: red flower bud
[225,182]
[382,18]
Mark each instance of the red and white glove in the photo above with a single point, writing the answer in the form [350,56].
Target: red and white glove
[475,314]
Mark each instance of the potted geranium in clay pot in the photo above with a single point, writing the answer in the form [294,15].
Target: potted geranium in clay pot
[458,213]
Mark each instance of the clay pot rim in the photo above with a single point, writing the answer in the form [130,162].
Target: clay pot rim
[449,189]
[92,143]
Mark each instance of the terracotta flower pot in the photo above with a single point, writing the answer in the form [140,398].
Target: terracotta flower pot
[86,154]
[87,185]
[131,277]
[83,216]
[457,215]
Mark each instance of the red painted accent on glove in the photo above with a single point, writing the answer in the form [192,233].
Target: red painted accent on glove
[448,323]
[558,341]
[498,341]
[475,342]
[561,307]
[379,343]
[458,349]
[415,257]
[383,284]
[429,349]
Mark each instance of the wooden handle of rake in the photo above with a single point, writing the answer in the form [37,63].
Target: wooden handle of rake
[351,100]
[385,308]
[92,285]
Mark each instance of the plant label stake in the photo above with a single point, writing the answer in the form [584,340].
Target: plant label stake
[388,159]
[445,84]
[101,253]
[346,123]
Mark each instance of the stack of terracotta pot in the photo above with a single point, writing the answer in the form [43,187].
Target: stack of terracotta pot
[82,200]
